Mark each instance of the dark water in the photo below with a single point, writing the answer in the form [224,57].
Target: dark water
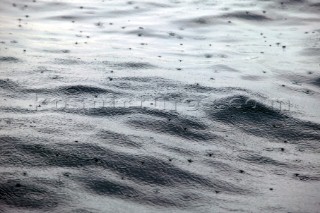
[159,106]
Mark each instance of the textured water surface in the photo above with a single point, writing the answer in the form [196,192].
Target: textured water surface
[159,106]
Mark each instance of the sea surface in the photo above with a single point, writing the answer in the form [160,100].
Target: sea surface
[159,106]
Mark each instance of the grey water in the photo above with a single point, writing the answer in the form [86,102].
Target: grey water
[159,106]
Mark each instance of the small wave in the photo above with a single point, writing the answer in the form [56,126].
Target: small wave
[310,52]
[68,61]
[80,89]
[254,117]
[225,68]
[117,139]
[315,5]
[247,16]
[316,82]
[9,59]
[252,77]
[173,127]
[258,159]
[120,190]
[8,84]
[202,21]
[131,65]
[27,194]
[304,177]
[71,90]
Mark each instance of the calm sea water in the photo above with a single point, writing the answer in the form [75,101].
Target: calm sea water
[159,106]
